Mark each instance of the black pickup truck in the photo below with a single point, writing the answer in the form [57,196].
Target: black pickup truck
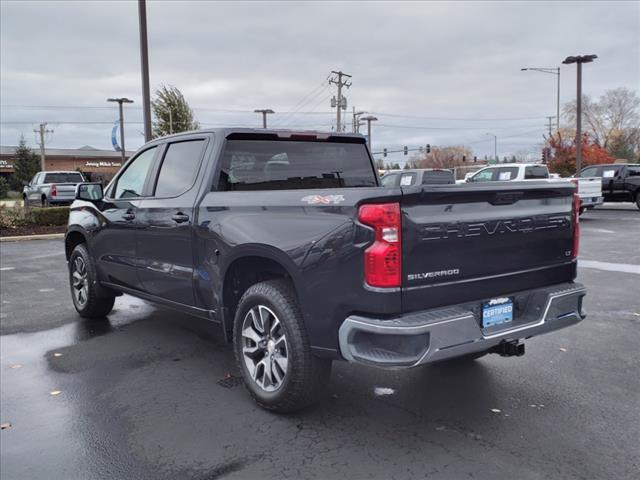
[620,181]
[290,244]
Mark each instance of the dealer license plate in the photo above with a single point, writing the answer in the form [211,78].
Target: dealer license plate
[497,311]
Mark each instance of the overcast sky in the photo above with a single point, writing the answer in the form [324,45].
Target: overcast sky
[442,73]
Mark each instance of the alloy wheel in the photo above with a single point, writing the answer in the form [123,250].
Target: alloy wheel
[264,348]
[80,281]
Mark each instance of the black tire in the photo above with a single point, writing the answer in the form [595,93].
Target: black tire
[582,210]
[306,375]
[638,200]
[89,304]
[45,202]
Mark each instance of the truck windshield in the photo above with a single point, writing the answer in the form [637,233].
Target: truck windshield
[284,165]
[70,177]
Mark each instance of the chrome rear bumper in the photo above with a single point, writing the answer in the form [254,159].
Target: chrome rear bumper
[432,335]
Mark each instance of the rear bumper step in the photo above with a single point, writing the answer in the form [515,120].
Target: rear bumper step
[433,335]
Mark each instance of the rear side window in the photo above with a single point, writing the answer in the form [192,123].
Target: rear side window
[634,171]
[610,172]
[284,165]
[438,177]
[407,179]
[131,182]
[71,177]
[179,168]
[536,171]
[507,173]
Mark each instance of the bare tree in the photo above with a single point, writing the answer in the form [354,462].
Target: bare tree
[443,157]
[613,116]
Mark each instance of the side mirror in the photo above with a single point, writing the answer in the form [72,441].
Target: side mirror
[90,192]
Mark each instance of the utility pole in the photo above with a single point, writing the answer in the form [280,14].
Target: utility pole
[264,112]
[550,124]
[369,119]
[356,120]
[495,146]
[340,101]
[580,59]
[144,65]
[42,132]
[554,71]
[170,121]
[120,102]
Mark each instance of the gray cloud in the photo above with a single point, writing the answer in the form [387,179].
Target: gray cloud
[457,64]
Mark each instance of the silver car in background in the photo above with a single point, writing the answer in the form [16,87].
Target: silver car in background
[51,188]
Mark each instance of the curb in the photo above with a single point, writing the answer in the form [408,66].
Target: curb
[46,236]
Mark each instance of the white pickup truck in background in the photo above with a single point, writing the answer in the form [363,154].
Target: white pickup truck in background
[589,188]
[589,191]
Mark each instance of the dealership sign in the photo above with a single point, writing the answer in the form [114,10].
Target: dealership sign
[103,164]
[5,164]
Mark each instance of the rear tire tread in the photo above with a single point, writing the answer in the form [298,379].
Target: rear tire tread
[308,378]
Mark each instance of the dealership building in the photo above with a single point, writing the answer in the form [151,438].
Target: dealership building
[86,159]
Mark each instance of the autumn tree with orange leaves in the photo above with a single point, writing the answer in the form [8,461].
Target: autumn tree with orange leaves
[563,154]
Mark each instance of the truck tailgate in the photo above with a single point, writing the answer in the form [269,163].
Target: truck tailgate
[589,187]
[470,242]
[65,190]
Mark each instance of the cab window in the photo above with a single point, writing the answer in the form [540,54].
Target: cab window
[131,182]
[389,180]
[407,179]
[589,172]
[507,173]
[485,175]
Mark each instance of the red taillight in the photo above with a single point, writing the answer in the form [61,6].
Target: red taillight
[383,259]
[576,225]
[54,191]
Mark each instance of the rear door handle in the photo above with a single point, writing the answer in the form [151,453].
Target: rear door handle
[180,218]
[128,216]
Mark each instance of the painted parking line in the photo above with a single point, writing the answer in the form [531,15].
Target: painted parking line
[597,230]
[610,267]
[6,269]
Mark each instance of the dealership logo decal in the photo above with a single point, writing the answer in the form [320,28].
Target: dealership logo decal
[323,199]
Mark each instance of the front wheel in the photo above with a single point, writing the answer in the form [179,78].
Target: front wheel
[273,351]
[83,283]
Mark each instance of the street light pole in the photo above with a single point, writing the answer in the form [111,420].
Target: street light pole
[120,102]
[369,119]
[579,60]
[554,71]
[495,146]
[264,112]
[144,65]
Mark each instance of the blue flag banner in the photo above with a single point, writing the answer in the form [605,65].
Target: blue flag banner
[114,140]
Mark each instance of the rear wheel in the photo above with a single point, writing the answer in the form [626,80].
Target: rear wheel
[638,199]
[45,202]
[273,351]
[83,284]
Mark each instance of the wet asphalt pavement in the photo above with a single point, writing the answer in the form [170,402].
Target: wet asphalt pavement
[143,395]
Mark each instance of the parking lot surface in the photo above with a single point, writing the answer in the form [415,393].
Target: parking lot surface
[152,394]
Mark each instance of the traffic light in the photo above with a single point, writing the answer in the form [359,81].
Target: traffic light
[464,158]
[428,148]
[384,152]
[475,158]
[406,150]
